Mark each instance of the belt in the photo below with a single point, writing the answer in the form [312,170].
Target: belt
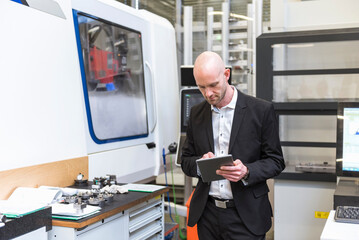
[222,203]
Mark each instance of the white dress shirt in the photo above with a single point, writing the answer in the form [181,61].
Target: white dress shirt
[222,125]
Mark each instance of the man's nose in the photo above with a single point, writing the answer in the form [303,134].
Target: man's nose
[208,92]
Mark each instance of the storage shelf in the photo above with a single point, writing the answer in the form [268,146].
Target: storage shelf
[308,144]
[290,173]
[306,107]
[266,79]
[316,72]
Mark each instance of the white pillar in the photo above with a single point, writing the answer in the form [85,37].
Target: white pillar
[225,31]
[209,28]
[187,35]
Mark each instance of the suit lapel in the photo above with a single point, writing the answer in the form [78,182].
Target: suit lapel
[239,113]
[208,126]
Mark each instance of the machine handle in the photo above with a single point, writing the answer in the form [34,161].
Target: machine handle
[153,87]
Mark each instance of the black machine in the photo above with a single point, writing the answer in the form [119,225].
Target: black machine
[346,195]
[348,139]
[189,98]
[187,78]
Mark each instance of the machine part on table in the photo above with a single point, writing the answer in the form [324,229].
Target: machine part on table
[96,201]
[79,205]
[108,197]
[70,199]
[80,181]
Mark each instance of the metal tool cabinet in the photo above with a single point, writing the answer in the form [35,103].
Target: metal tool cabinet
[133,216]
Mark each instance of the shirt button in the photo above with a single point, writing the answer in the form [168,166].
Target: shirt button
[220,134]
[221,185]
[222,152]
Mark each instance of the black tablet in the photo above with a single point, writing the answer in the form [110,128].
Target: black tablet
[209,166]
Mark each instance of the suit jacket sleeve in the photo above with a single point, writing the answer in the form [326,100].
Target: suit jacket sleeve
[270,162]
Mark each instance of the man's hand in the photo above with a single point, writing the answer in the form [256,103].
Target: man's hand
[208,155]
[233,173]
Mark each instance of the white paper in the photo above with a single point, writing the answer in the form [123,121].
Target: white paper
[142,187]
[65,191]
[25,200]
[72,217]
[35,195]
[69,210]
[17,209]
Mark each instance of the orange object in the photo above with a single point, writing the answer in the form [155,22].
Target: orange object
[191,231]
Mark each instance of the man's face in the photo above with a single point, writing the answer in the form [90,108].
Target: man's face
[212,86]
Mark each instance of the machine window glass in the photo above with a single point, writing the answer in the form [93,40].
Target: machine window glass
[316,55]
[308,155]
[315,87]
[114,80]
[308,128]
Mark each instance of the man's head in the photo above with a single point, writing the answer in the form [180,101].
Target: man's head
[212,79]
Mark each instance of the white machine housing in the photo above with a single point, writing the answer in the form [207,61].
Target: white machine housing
[44,117]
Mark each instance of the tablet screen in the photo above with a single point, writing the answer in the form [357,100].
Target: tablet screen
[209,166]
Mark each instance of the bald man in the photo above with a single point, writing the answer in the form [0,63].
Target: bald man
[230,122]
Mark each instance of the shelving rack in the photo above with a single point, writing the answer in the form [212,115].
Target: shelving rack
[305,74]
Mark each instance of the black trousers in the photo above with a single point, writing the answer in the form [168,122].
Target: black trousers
[223,223]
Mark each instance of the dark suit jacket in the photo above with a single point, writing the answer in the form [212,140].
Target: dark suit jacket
[255,141]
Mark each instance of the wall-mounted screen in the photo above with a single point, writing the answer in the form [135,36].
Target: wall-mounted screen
[111,62]
[189,98]
[348,139]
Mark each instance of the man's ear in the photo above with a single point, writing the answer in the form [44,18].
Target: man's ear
[227,73]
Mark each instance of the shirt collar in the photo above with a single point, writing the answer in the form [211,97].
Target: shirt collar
[231,104]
